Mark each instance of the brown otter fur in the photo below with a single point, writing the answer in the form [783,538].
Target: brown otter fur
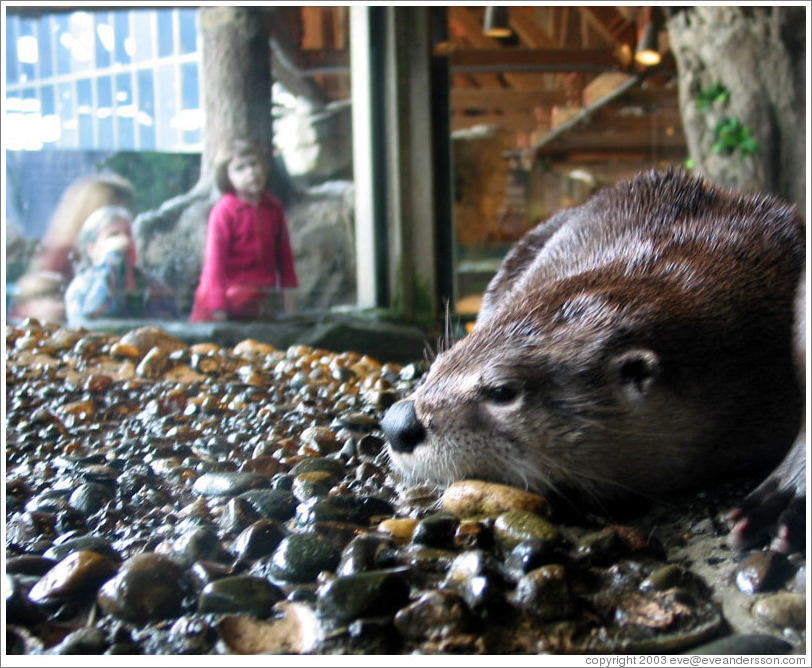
[638,344]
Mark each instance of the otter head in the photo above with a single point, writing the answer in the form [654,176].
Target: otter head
[569,395]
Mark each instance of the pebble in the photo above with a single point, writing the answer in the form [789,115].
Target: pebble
[149,587]
[436,530]
[363,553]
[259,539]
[435,614]
[87,542]
[90,497]
[370,594]
[762,571]
[240,594]
[228,483]
[400,528]
[515,526]
[782,610]
[77,576]
[546,593]
[273,504]
[476,498]
[301,557]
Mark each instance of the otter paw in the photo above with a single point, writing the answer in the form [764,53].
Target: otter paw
[769,513]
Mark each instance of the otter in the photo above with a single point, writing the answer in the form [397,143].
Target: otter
[638,345]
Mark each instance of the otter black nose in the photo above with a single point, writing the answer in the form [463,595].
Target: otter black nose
[402,427]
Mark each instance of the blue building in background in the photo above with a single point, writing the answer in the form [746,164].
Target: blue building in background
[82,85]
[104,80]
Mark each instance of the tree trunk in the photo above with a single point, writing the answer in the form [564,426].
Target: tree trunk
[756,54]
[236,75]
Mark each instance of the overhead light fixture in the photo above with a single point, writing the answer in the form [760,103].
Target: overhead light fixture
[497,22]
[647,53]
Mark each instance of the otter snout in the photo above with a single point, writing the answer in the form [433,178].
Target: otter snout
[402,427]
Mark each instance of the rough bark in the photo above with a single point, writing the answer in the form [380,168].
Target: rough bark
[758,55]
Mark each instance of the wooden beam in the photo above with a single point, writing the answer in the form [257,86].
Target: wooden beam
[610,23]
[512,122]
[524,23]
[517,99]
[561,60]
[506,98]
[612,141]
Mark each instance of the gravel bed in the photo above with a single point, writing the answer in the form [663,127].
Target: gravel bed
[163,498]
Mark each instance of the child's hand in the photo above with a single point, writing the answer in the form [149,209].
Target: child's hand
[119,243]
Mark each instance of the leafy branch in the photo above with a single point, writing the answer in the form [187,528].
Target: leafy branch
[729,134]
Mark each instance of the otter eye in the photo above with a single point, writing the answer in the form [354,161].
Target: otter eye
[501,394]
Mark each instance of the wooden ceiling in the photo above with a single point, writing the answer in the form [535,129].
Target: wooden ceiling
[540,83]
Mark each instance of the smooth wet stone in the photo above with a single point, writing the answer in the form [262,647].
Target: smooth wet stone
[237,515]
[321,439]
[29,564]
[77,577]
[301,557]
[242,594]
[313,483]
[530,554]
[310,464]
[476,498]
[762,571]
[346,509]
[259,539]
[370,594]
[782,610]
[400,528]
[87,542]
[149,587]
[90,497]
[228,483]
[471,564]
[199,544]
[435,614]
[546,593]
[424,558]
[515,526]
[436,530]
[363,553]
[48,502]
[601,547]
[202,573]
[82,641]
[18,607]
[667,577]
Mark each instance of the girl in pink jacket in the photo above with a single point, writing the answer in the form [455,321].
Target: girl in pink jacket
[248,255]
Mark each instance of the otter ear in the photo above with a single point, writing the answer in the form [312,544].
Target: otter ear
[636,370]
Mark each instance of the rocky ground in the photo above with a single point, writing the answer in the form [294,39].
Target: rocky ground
[197,499]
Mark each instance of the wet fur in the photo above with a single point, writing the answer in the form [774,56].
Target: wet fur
[647,335]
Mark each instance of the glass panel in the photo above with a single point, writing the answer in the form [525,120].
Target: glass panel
[188,30]
[45,42]
[104,112]
[166,33]
[124,44]
[12,32]
[145,118]
[121,89]
[126,111]
[105,40]
[144,35]
[27,51]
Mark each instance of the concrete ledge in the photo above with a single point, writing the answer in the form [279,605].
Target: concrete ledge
[372,333]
